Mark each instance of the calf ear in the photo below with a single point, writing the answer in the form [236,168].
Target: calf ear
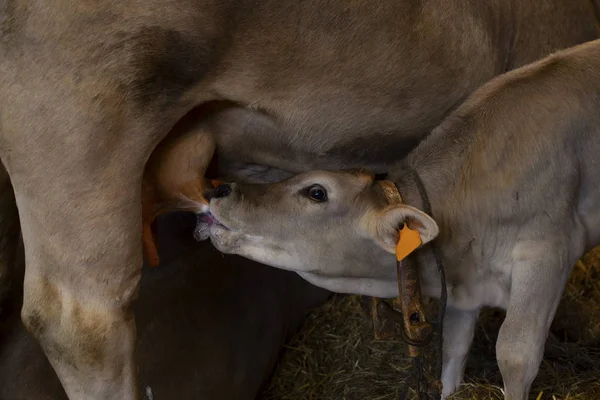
[385,226]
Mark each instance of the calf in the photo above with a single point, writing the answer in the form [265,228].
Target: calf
[88,89]
[208,327]
[512,179]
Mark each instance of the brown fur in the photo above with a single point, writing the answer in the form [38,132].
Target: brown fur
[88,89]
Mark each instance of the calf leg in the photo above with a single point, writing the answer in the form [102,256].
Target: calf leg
[536,288]
[459,328]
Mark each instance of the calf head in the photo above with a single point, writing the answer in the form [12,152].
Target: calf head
[332,224]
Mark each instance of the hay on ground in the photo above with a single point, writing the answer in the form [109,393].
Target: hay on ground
[335,357]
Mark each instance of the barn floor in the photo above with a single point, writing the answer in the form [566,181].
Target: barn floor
[335,357]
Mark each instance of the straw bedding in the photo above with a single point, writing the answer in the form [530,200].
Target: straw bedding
[334,356]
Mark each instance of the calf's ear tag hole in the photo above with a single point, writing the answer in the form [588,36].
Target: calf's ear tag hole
[409,240]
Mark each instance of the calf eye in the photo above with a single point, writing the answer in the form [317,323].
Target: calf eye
[317,193]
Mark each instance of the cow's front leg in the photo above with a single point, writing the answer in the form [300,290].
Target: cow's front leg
[538,280]
[459,327]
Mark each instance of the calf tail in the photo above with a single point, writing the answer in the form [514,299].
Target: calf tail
[9,233]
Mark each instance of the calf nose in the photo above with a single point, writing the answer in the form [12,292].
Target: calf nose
[222,191]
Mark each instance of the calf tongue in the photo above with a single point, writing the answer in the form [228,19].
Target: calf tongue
[203,223]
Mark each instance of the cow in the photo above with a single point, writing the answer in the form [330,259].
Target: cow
[89,89]
[208,327]
[511,179]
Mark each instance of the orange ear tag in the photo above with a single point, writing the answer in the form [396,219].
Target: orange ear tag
[409,241]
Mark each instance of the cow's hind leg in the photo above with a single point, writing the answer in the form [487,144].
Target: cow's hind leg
[83,259]
[83,266]
[77,182]
[538,279]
